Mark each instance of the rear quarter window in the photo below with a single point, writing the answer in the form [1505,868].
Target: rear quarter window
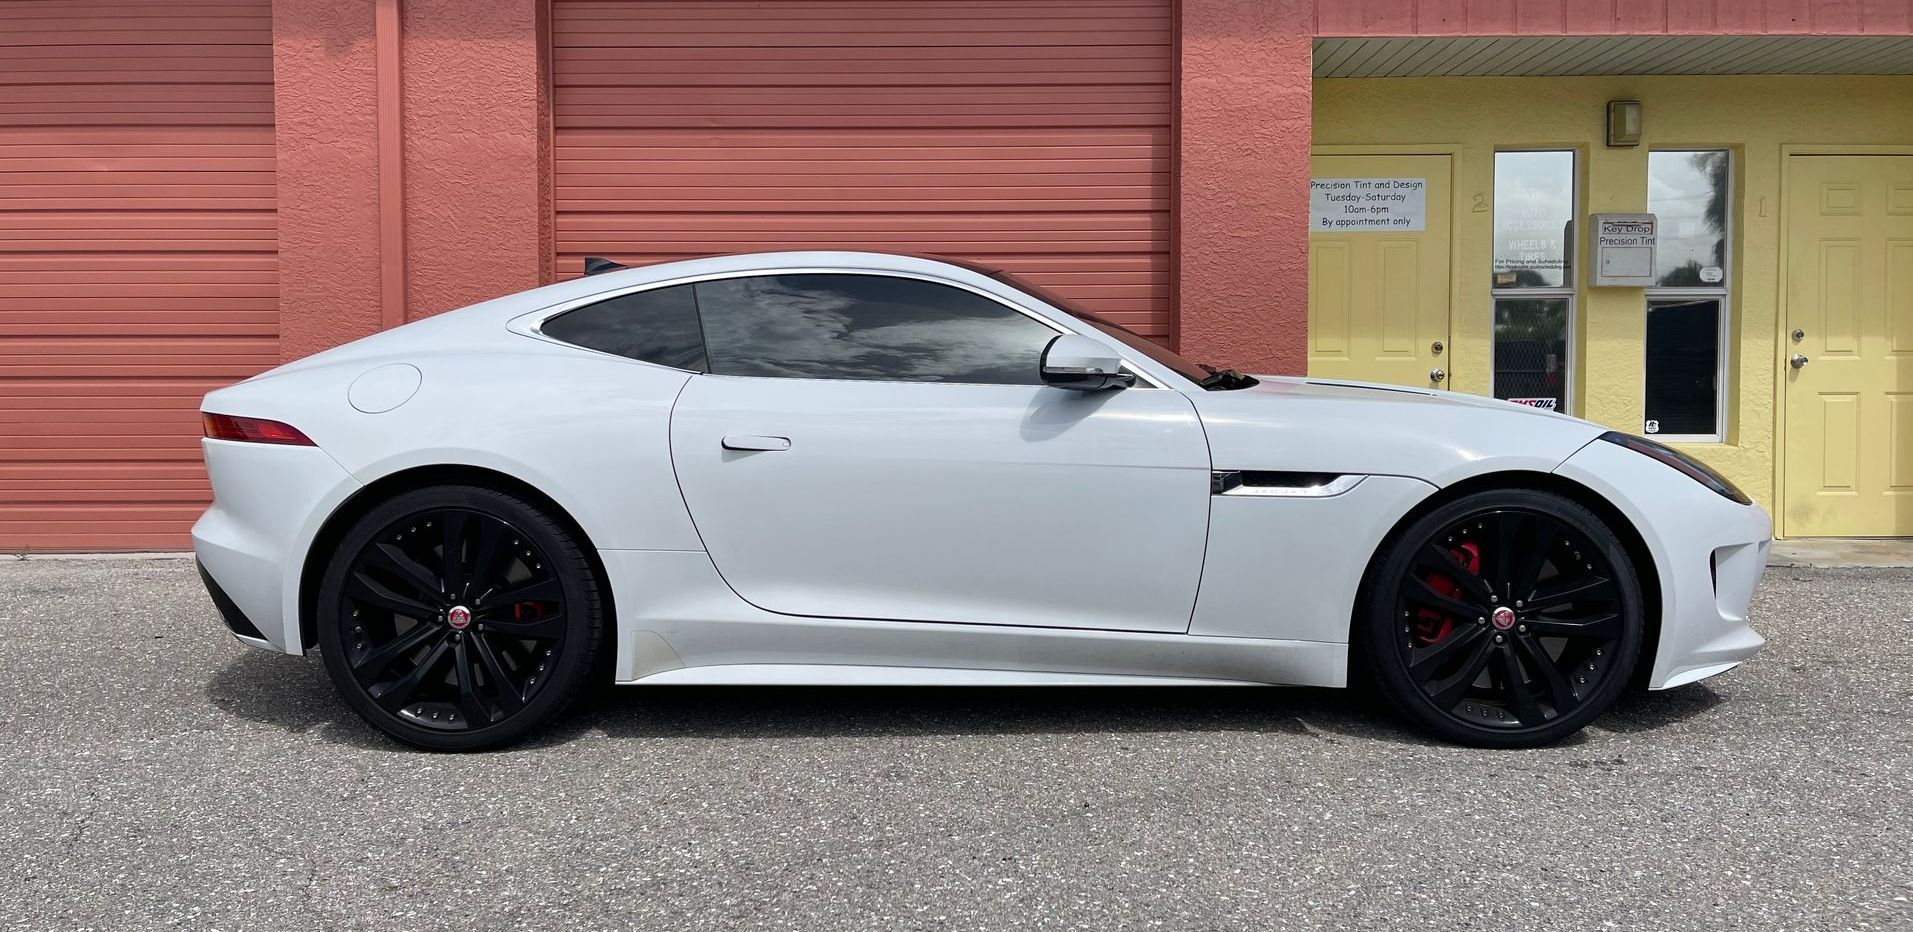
[657,326]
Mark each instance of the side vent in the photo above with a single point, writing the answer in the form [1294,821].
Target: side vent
[1269,484]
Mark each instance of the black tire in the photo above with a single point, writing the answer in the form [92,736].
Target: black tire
[1505,618]
[464,654]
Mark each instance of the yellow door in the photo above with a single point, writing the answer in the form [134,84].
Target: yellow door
[1849,378]
[1378,297]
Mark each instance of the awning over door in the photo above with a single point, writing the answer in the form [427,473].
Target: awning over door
[1538,56]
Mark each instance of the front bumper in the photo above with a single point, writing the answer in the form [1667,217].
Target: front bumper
[269,501]
[1708,553]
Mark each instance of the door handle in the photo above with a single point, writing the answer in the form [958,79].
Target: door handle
[1436,375]
[753,442]
[1797,361]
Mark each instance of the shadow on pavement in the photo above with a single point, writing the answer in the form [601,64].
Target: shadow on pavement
[295,694]
[824,711]
[1646,711]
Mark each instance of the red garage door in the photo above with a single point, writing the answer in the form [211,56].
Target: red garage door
[1029,134]
[137,257]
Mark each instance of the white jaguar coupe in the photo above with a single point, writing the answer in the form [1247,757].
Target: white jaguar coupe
[852,468]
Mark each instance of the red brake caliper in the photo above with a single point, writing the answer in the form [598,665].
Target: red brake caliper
[1431,625]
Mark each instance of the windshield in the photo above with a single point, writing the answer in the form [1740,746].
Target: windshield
[1205,376]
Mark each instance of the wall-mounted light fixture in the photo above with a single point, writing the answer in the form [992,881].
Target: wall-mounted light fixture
[1623,123]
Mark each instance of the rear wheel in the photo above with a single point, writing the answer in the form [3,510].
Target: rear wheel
[459,618]
[1503,619]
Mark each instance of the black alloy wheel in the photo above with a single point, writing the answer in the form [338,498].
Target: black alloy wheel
[458,618]
[1504,619]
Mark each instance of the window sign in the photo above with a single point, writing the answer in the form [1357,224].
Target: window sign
[1688,192]
[1534,219]
[1381,205]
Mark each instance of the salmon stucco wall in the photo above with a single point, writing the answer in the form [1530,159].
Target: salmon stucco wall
[1759,119]
[472,124]
[325,77]
[1242,183]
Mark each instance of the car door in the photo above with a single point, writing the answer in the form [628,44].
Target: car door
[880,446]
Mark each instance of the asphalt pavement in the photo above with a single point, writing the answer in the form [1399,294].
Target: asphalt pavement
[156,774]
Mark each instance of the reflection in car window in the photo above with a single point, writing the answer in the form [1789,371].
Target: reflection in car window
[658,326]
[842,326]
[1194,372]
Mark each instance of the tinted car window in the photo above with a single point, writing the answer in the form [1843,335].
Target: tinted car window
[657,326]
[1130,338]
[835,326]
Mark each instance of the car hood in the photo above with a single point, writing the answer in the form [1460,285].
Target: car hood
[1327,426]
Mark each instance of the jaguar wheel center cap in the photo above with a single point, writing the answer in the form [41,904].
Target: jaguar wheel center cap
[459,617]
[1503,618]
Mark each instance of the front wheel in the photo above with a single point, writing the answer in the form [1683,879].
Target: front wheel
[1505,618]
[459,618]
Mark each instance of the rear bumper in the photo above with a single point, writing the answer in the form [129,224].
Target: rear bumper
[230,612]
[1708,552]
[268,504]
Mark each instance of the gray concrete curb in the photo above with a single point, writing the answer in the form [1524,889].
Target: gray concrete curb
[107,557]
[1836,553]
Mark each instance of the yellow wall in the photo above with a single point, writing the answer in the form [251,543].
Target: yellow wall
[1754,116]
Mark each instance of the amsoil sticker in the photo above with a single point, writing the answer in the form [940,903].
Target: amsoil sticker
[1545,404]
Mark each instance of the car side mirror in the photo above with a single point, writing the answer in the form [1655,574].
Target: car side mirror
[1080,364]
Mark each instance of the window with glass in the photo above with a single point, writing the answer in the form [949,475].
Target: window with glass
[657,326]
[1533,286]
[1687,309]
[875,327]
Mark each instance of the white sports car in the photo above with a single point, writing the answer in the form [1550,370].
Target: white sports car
[835,467]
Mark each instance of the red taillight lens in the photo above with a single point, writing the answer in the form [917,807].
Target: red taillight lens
[253,430]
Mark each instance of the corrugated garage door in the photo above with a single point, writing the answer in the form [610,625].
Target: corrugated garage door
[1032,134]
[137,257]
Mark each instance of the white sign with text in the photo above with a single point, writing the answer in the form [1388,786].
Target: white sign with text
[1368,205]
[1624,249]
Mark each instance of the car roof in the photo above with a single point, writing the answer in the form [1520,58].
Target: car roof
[788,259]
[491,324]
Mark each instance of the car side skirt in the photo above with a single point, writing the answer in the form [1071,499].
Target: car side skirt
[838,674]
[679,618]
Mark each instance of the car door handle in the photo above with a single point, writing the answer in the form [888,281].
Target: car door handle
[756,443]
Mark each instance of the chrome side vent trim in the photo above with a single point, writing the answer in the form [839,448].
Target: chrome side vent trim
[1268,484]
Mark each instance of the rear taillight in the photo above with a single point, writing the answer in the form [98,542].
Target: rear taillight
[253,430]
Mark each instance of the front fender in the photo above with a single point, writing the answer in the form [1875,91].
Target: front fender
[1441,439]
[1708,555]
